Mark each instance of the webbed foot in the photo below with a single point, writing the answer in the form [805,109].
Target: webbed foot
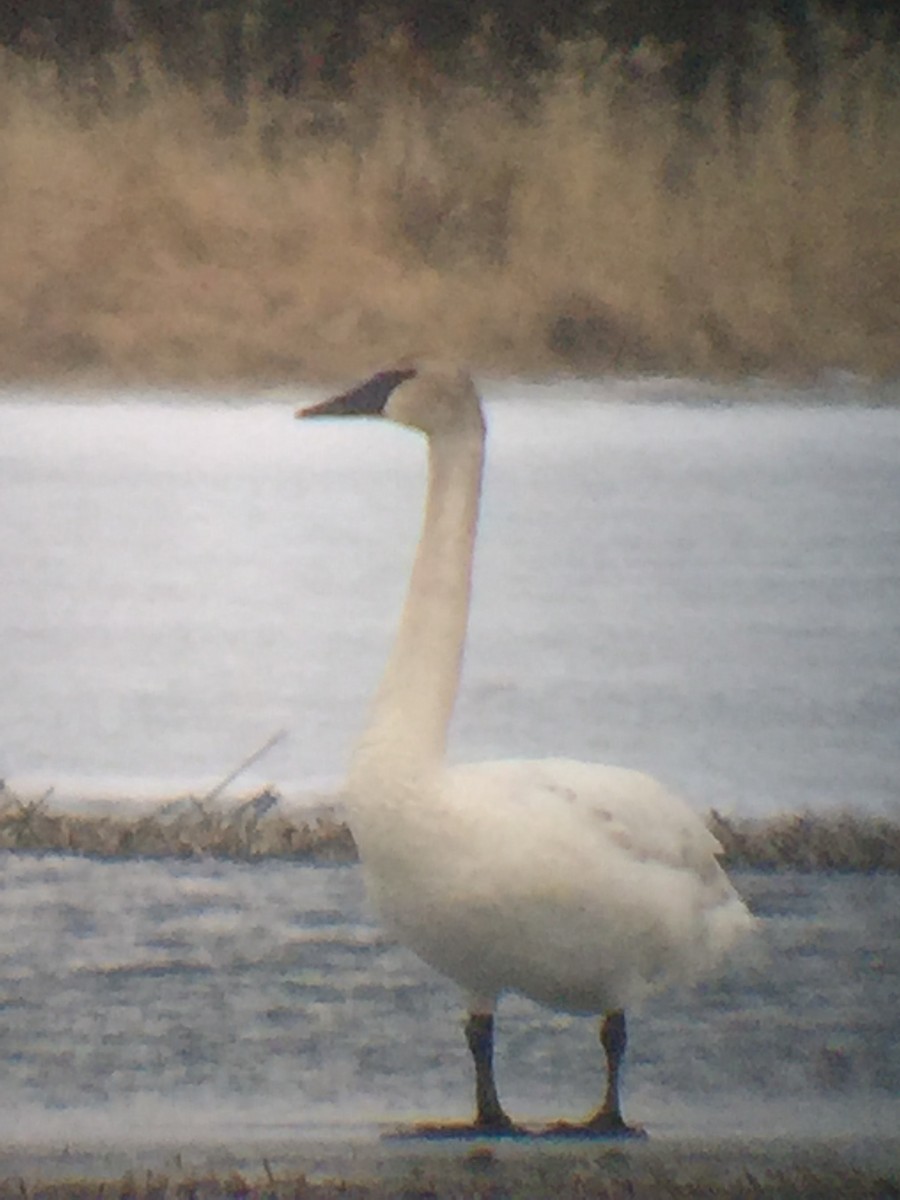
[601,1125]
[460,1130]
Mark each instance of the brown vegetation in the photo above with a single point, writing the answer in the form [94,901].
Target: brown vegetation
[478,1175]
[586,222]
[809,842]
[258,827]
[184,828]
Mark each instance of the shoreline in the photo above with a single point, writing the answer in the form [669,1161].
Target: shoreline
[282,1166]
[575,222]
[261,825]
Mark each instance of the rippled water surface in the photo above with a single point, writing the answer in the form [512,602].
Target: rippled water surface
[159,1001]
[704,586]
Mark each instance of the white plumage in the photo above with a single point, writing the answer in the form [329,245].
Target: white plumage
[582,886]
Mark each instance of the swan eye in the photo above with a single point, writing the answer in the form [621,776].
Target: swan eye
[365,400]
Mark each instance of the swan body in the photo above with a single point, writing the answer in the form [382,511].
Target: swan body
[582,886]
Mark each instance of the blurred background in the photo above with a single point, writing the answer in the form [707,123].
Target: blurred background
[219,190]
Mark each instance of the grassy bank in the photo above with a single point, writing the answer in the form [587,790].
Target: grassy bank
[258,827]
[656,1170]
[798,1184]
[584,222]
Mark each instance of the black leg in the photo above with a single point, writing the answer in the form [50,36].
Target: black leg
[607,1121]
[613,1038]
[490,1119]
[480,1037]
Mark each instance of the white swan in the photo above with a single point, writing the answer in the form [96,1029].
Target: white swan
[582,886]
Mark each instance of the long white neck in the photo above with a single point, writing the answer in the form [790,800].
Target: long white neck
[407,729]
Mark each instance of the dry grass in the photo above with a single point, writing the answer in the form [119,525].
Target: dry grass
[256,827]
[809,842]
[165,237]
[474,1177]
[248,829]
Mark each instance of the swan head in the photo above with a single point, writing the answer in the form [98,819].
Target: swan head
[431,398]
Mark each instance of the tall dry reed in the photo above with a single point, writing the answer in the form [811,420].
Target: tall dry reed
[156,234]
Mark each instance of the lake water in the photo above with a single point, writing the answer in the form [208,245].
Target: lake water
[703,583]
[156,1003]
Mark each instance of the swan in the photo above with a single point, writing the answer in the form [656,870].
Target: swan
[581,886]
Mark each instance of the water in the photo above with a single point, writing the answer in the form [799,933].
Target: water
[706,586]
[703,586]
[154,1003]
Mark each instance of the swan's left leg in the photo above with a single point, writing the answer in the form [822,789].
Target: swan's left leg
[490,1119]
[489,1113]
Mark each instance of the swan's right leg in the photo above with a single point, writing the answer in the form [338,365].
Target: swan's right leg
[614,1039]
[489,1113]
[607,1121]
